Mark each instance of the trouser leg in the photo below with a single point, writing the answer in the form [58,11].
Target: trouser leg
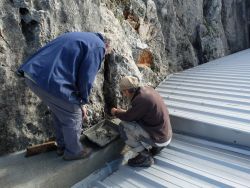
[69,118]
[58,131]
[72,132]
[132,133]
[70,125]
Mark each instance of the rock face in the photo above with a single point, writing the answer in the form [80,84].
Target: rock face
[198,31]
[150,39]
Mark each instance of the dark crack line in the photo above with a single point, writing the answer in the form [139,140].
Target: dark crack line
[5,41]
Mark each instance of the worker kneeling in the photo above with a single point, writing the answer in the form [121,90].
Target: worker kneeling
[145,126]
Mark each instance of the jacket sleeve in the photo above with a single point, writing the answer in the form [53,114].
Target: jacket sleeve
[135,113]
[87,72]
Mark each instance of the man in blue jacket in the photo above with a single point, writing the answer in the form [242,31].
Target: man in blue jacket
[61,74]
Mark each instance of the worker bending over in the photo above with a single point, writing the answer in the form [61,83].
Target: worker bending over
[61,74]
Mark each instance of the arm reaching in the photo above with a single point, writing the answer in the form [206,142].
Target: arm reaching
[114,111]
[84,112]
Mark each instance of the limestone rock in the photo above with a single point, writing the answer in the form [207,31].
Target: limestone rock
[150,39]
[197,31]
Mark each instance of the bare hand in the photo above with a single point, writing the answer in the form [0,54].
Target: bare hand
[84,113]
[113,111]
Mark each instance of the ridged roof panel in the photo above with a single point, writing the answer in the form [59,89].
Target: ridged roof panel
[212,103]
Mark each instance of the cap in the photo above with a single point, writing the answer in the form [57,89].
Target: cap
[129,82]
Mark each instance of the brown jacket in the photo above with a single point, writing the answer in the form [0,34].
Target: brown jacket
[148,110]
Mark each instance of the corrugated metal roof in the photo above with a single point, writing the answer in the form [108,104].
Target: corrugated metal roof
[211,101]
[186,162]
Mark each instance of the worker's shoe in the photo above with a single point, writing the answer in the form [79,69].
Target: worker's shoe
[84,154]
[141,160]
[155,150]
[60,151]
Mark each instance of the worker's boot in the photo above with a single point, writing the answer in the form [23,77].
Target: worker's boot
[155,150]
[84,154]
[141,160]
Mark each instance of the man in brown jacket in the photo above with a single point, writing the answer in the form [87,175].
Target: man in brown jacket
[145,126]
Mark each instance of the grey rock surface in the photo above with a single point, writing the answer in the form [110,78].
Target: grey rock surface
[197,31]
[150,39]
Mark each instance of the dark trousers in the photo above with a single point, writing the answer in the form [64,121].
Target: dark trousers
[67,119]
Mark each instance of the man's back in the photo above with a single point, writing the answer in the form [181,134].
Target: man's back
[155,109]
[61,67]
[156,117]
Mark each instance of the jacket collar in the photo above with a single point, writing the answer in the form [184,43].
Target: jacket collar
[137,92]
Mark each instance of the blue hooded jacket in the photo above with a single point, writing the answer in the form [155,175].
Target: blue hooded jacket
[66,67]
